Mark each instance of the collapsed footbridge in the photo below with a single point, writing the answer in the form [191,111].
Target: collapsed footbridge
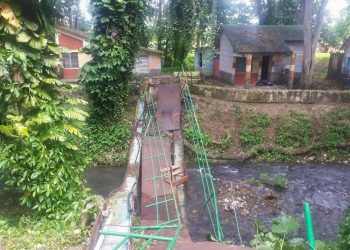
[148,210]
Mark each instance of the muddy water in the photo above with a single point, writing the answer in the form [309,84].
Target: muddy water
[326,188]
[102,180]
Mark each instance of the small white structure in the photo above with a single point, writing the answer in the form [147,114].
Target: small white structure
[149,62]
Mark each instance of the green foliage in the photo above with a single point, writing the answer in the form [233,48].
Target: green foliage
[192,135]
[225,144]
[278,238]
[281,12]
[19,229]
[336,124]
[37,159]
[275,156]
[114,45]
[294,130]
[277,181]
[189,62]
[343,239]
[106,144]
[181,17]
[253,132]
[335,35]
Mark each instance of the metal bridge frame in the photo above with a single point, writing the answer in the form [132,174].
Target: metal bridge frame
[152,132]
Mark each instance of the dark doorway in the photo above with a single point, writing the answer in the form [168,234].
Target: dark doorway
[265,68]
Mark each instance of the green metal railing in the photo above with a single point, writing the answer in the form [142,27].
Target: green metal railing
[210,202]
[168,223]
[167,217]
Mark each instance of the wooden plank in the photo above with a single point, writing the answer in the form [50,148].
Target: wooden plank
[180,181]
[168,169]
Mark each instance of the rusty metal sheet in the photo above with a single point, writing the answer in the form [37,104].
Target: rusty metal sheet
[169,106]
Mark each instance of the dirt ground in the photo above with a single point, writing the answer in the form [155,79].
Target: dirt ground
[217,118]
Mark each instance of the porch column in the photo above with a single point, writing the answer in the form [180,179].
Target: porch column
[233,70]
[291,71]
[248,70]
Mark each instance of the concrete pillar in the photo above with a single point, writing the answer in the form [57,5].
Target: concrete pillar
[233,70]
[291,71]
[248,70]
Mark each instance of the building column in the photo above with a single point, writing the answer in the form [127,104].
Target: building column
[248,70]
[291,71]
[234,70]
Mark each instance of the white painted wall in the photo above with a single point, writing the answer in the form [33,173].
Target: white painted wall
[226,54]
[141,65]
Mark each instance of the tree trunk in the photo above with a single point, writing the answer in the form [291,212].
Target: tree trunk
[307,42]
[317,33]
[311,38]
[160,30]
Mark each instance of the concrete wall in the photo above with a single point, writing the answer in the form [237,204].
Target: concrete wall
[226,59]
[207,67]
[148,64]
[155,64]
[271,95]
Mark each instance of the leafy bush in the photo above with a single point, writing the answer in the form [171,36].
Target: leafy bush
[336,124]
[191,135]
[294,131]
[114,44]
[37,159]
[19,229]
[253,132]
[277,181]
[275,156]
[278,236]
[189,62]
[343,239]
[106,144]
[277,239]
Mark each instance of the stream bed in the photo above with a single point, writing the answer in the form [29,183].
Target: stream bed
[325,187]
[102,180]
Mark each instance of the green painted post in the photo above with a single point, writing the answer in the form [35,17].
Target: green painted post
[309,229]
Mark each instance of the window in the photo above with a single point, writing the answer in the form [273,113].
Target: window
[240,64]
[200,60]
[70,60]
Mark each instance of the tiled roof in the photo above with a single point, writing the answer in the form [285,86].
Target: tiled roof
[151,50]
[74,32]
[262,38]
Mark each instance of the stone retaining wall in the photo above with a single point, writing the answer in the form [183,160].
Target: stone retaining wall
[259,95]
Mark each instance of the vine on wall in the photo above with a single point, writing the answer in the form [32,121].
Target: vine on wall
[114,44]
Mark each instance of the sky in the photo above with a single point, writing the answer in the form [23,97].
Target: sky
[334,7]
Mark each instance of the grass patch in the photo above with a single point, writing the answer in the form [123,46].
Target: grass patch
[336,125]
[191,135]
[322,57]
[19,229]
[276,181]
[274,156]
[293,130]
[254,127]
